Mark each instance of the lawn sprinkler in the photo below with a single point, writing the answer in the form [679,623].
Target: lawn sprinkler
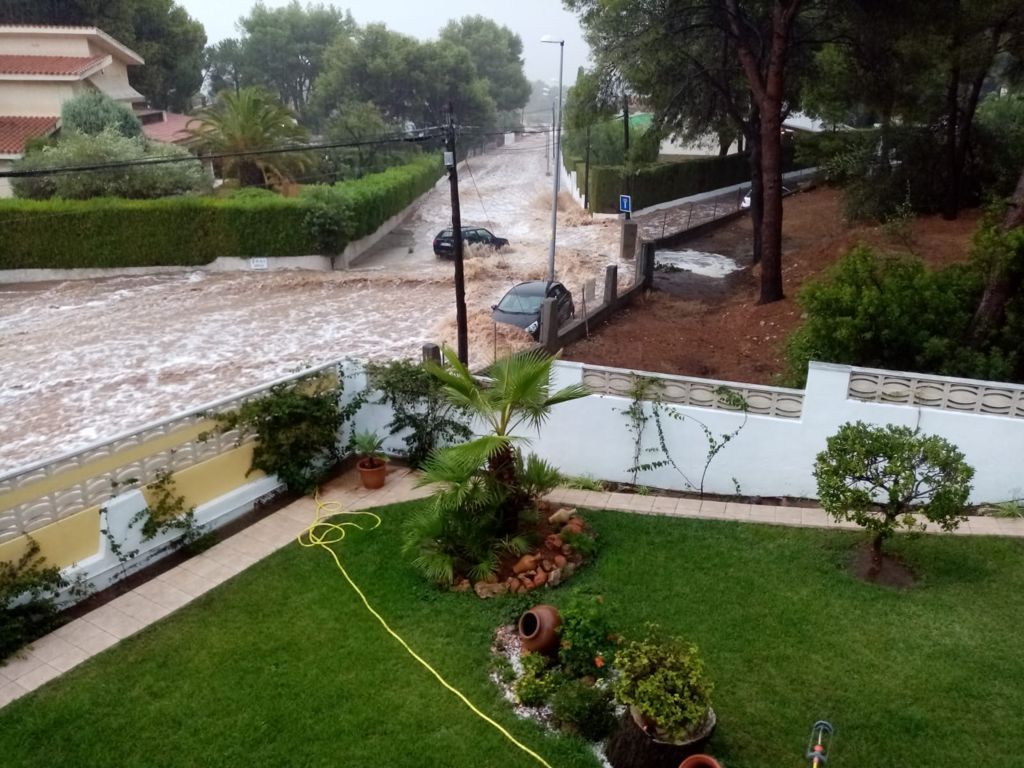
[820,744]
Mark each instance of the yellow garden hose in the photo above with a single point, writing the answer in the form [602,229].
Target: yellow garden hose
[323,534]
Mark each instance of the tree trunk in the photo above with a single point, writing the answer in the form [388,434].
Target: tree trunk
[1003,283]
[250,175]
[502,466]
[771,224]
[951,206]
[756,182]
[876,555]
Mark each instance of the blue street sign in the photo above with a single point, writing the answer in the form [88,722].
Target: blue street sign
[625,204]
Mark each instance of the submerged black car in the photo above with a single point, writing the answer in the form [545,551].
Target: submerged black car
[521,305]
[444,243]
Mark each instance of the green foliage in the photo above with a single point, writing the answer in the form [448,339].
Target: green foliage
[883,312]
[876,476]
[94,112]
[664,679]
[297,427]
[585,647]
[248,121]
[191,231]
[586,709]
[1000,124]
[607,143]
[485,484]
[583,543]
[538,682]
[28,594]
[135,182]
[361,123]
[497,55]
[369,446]
[665,181]
[420,412]
[167,513]
[584,483]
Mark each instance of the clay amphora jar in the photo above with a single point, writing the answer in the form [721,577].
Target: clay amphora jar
[538,629]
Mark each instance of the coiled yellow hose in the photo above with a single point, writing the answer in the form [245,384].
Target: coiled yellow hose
[323,534]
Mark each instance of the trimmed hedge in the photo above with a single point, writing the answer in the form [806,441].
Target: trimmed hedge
[661,182]
[191,231]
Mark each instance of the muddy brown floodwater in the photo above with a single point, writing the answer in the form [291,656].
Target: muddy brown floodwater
[84,360]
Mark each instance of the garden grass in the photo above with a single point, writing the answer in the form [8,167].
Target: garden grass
[282,666]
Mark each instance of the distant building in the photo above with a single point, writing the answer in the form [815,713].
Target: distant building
[41,67]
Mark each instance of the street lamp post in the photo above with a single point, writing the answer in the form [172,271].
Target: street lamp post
[558,157]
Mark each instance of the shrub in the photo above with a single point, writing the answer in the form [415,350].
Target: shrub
[883,312]
[585,643]
[586,709]
[28,593]
[132,182]
[875,476]
[1000,143]
[93,112]
[419,409]
[663,679]
[537,682]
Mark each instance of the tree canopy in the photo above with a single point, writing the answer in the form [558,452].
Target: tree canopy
[497,54]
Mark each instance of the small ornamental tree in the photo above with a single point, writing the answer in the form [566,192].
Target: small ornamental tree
[876,477]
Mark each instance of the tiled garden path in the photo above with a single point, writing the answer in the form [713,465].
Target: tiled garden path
[86,636]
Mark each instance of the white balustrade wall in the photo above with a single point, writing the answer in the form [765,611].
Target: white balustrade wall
[774,452]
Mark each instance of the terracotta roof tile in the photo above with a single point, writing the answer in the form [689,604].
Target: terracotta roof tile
[47,65]
[170,131]
[15,131]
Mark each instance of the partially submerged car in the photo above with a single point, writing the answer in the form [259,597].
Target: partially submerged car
[444,242]
[522,304]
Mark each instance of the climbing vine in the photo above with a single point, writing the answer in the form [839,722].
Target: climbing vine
[647,409]
[297,426]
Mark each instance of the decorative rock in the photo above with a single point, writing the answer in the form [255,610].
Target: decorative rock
[525,563]
[540,579]
[568,570]
[555,577]
[573,526]
[561,517]
[547,565]
[554,541]
[491,578]
[462,585]
[560,561]
[486,590]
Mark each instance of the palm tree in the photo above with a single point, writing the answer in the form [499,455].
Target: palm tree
[249,121]
[517,393]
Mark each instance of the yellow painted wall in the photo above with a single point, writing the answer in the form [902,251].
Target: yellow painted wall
[62,543]
[38,98]
[211,479]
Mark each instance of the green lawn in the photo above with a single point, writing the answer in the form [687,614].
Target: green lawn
[283,667]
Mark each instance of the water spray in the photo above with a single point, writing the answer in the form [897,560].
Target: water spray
[820,744]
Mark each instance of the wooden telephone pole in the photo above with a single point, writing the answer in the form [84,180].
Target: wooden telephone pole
[451,163]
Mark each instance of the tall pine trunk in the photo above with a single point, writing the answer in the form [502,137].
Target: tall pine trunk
[756,182]
[771,223]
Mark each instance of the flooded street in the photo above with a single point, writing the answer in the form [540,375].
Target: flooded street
[84,360]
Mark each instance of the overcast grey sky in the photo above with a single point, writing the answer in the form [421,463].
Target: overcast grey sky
[531,19]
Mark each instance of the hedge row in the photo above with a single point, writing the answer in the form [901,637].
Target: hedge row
[661,182]
[191,231]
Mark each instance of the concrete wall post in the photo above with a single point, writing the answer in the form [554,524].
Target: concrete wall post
[611,284]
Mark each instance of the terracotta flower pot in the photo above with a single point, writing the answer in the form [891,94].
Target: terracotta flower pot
[372,473]
[700,761]
[538,629]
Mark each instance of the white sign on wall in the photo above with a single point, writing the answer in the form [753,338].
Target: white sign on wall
[258,262]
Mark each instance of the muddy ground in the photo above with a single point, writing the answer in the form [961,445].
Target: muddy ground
[713,327]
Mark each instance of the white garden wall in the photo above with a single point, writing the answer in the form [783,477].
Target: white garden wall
[773,455]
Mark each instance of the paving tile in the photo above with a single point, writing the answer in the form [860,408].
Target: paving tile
[164,594]
[11,691]
[638,503]
[114,621]
[710,508]
[736,511]
[69,660]
[49,647]
[620,501]
[248,544]
[88,637]
[596,499]
[41,675]
[664,505]
[21,665]
[139,607]
[789,516]
[687,507]
[762,513]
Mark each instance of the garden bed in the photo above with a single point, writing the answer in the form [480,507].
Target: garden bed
[283,666]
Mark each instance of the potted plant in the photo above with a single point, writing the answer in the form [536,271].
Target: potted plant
[662,682]
[372,464]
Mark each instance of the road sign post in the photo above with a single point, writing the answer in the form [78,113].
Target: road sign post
[626,205]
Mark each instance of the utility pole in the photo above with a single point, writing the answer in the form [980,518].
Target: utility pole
[553,123]
[625,126]
[451,162]
[547,153]
[586,175]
